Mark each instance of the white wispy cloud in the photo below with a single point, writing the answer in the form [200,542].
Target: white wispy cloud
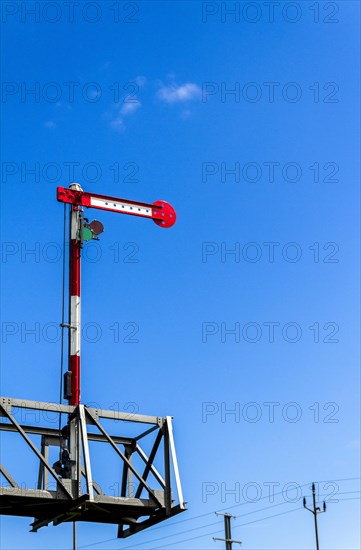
[171,93]
[128,107]
[179,94]
[49,124]
[141,81]
[118,124]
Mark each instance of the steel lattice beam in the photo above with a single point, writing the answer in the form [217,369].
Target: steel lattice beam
[67,502]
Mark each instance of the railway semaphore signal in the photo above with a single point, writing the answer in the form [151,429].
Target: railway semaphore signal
[68,490]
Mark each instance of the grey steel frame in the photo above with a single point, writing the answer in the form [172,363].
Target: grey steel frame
[68,502]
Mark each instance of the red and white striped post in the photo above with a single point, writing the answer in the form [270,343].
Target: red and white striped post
[163,215]
[74,299]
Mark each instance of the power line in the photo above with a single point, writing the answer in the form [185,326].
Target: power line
[242,525]
[211,524]
[214,532]
[231,507]
[214,523]
[242,515]
[211,513]
[187,531]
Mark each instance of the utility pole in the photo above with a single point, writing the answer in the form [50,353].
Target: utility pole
[227,531]
[315,511]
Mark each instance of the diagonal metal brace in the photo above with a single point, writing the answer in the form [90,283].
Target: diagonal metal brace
[154,471]
[149,463]
[8,477]
[123,457]
[35,450]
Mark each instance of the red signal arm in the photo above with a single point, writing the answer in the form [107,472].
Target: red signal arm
[161,212]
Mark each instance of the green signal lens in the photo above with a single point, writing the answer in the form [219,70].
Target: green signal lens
[87,234]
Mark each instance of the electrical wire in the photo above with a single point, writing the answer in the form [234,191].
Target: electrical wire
[204,526]
[228,508]
[240,525]
[222,530]
[219,530]
[238,516]
[213,523]
[62,328]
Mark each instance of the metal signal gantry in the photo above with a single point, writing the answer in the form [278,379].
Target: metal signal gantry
[139,494]
[77,492]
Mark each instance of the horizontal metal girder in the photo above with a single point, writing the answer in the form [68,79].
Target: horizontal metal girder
[53,434]
[21,493]
[69,409]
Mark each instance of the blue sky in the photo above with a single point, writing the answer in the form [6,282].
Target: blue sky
[135,100]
